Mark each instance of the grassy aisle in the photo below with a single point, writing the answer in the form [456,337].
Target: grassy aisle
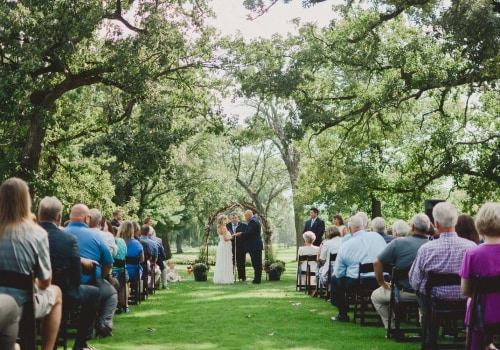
[272,315]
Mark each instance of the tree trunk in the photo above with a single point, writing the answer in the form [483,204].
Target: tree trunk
[178,243]
[32,149]
[376,207]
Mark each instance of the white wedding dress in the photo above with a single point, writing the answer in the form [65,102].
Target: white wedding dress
[224,261]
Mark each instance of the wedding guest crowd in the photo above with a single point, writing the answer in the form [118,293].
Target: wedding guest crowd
[72,266]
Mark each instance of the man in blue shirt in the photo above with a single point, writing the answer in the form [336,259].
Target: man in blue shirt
[93,246]
[363,247]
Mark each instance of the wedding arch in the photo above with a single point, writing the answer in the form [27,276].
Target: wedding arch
[243,206]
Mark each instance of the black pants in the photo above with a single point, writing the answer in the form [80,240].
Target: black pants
[342,287]
[256,257]
[88,298]
[239,257]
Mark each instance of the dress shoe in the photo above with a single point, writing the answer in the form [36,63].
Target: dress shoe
[255,282]
[341,318]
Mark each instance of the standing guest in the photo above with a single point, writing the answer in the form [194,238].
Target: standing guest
[239,255]
[92,246]
[9,322]
[380,226]
[443,255]
[252,241]
[24,249]
[466,228]
[362,248]
[117,218]
[401,253]
[65,256]
[339,223]
[484,261]
[316,225]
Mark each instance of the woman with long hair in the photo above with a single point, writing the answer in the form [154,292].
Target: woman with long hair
[223,273]
[24,249]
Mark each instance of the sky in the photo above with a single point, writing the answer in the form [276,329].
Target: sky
[232,17]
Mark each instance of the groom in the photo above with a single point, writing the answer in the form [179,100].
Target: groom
[252,241]
[239,255]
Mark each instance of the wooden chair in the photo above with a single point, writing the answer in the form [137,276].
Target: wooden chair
[333,257]
[363,307]
[122,279]
[402,309]
[300,272]
[481,286]
[135,281]
[439,311]
[306,275]
[27,324]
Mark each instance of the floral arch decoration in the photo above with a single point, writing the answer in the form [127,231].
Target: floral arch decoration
[243,206]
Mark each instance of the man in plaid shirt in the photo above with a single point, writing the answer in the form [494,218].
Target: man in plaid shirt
[443,255]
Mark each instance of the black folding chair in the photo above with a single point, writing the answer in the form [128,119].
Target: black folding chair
[439,312]
[27,324]
[122,279]
[333,257]
[363,307]
[403,309]
[301,272]
[135,281]
[481,286]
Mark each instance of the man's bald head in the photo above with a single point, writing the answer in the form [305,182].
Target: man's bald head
[79,213]
[248,215]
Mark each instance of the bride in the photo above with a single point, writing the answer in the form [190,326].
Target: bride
[224,259]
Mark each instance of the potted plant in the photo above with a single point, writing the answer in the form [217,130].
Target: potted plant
[275,270]
[200,272]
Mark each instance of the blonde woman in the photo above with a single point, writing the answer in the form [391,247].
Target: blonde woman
[224,259]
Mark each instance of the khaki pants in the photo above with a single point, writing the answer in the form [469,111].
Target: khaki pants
[381,299]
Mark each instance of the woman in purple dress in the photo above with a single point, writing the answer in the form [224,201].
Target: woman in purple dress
[484,261]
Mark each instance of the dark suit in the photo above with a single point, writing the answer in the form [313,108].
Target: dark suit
[252,241]
[65,256]
[239,255]
[318,228]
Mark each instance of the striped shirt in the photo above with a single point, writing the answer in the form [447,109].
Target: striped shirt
[443,255]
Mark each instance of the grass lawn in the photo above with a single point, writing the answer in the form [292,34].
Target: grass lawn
[272,315]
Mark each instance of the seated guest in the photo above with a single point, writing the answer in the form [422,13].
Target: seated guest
[146,237]
[9,322]
[401,253]
[172,272]
[443,255]
[24,248]
[380,226]
[65,255]
[466,228]
[92,246]
[400,229]
[123,291]
[363,247]
[330,245]
[484,261]
[95,224]
[308,249]
[134,250]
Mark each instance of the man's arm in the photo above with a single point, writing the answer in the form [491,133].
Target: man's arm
[378,267]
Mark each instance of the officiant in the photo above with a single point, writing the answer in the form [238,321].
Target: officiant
[239,255]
